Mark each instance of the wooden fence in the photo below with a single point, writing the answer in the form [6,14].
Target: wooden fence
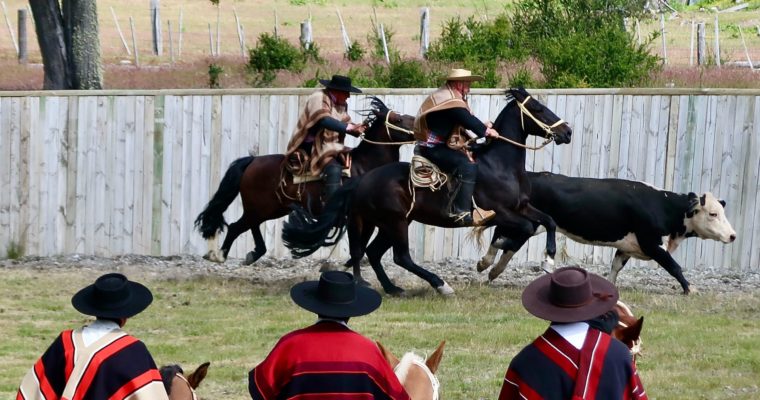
[117,172]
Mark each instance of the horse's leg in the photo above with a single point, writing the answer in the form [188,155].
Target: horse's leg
[260,246]
[233,231]
[511,233]
[375,252]
[357,244]
[399,232]
[540,218]
[510,247]
[490,255]
[618,263]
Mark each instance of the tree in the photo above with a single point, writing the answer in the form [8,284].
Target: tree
[67,33]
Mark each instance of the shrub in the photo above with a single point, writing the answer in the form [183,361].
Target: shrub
[376,42]
[408,74]
[15,250]
[274,53]
[311,53]
[476,41]
[214,71]
[522,78]
[355,52]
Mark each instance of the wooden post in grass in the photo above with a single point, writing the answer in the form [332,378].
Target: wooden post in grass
[691,45]
[22,39]
[701,44]
[305,37]
[664,41]
[121,34]
[717,42]
[210,40]
[741,34]
[171,42]
[10,28]
[276,22]
[385,45]
[179,39]
[134,41]
[241,39]
[155,19]
[343,32]
[218,36]
[424,31]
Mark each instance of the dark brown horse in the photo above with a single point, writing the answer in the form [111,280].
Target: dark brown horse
[181,387]
[382,199]
[258,180]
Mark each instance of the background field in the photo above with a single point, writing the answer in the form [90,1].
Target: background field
[401,17]
[703,346]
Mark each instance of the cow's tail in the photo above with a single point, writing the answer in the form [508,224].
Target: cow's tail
[211,220]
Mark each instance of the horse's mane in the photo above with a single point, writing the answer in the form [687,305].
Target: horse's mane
[167,375]
[402,369]
[370,115]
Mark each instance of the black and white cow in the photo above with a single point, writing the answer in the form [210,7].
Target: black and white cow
[637,219]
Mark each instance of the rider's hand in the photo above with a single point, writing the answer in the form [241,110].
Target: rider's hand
[490,132]
[489,124]
[355,128]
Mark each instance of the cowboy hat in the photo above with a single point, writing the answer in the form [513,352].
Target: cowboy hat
[339,82]
[569,294]
[335,295]
[112,296]
[457,74]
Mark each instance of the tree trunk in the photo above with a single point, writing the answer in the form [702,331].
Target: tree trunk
[81,18]
[48,24]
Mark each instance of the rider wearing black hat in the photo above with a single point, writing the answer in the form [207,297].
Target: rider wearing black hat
[327,360]
[100,360]
[322,126]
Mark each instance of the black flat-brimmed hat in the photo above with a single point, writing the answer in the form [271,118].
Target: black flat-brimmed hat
[112,296]
[335,295]
[569,294]
[340,82]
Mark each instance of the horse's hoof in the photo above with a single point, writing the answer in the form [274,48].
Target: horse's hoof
[214,256]
[395,292]
[493,275]
[548,265]
[445,290]
[362,282]
[482,266]
[251,258]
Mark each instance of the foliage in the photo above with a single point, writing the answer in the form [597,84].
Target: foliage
[311,53]
[522,78]
[214,71]
[274,53]
[376,43]
[476,41]
[15,250]
[583,43]
[408,74]
[355,51]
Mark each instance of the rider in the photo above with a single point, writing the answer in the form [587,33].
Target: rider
[438,127]
[321,128]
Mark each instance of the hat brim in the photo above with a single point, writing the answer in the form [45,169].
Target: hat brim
[328,84]
[470,78]
[305,295]
[535,299]
[140,298]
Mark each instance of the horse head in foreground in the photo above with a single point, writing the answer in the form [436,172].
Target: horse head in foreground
[628,329]
[181,387]
[415,373]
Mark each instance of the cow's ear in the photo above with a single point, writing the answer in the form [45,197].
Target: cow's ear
[722,203]
[693,204]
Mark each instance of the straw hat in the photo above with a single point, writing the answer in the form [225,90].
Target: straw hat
[457,74]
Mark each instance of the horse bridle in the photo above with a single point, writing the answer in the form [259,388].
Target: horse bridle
[549,129]
[389,125]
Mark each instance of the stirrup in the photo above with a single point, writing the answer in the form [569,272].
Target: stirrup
[462,219]
[481,216]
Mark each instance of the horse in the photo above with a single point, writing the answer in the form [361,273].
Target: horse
[415,373]
[179,387]
[628,329]
[382,199]
[267,192]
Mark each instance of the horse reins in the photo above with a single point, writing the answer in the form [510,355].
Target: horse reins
[546,127]
[389,125]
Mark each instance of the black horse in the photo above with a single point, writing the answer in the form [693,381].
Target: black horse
[265,196]
[382,199]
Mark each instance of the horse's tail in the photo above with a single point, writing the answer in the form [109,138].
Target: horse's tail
[476,235]
[304,234]
[211,219]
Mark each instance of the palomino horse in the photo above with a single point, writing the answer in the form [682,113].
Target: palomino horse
[415,373]
[628,329]
[181,387]
[382,198]
[265,195]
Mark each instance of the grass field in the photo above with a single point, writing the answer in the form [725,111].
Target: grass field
[703,346]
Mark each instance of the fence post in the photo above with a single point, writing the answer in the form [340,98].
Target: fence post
[638,32]
[121,35]
[134,41]
[343,32]
[155,19]
[305,37]
[424,32]
[10,28]
[385,45]
[664,42]
[276,22]
[746,52]
[691,44]
[218,36]
[179,40]
[22,39]
[717,42]
[171,42]
[210,40]
[241,38]
[701,44]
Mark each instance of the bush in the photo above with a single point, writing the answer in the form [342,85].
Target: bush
[214,71]
[522,78]
[376,42]
[476,42]
[274,53]
[408,74]
[14,251]
[355,52]
[311,54]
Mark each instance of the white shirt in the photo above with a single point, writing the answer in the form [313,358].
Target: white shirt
[574,332]
[97,330]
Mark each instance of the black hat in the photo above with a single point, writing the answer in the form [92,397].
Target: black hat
[112,296]
[569,294]
[335,295]
[340,82]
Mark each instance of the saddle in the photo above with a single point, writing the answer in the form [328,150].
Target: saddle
[297,164]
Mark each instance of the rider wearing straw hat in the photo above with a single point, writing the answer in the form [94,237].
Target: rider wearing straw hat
[575,358]
[327,360]
[322,126]
[99,361]
[438,129]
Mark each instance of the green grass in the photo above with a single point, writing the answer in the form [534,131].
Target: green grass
[703,346]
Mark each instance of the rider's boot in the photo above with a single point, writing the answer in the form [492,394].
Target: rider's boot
[463,201]
[332,174]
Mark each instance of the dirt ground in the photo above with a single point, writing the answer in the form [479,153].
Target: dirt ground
[459,274]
